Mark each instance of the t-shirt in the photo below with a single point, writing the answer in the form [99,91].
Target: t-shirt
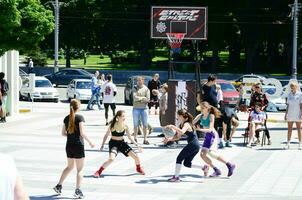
[74,138]
[138,95]
[210,94]
[8,177]
[153,85]
[108,90]
[258,117]
[293,106]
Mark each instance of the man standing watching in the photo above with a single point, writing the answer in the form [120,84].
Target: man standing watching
[141,98]
[94,92]
[109,92]
[30,66]
[4,92]
[209,93]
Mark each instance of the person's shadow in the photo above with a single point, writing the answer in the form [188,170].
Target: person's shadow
[50,197]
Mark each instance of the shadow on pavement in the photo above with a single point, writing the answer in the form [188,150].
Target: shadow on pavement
[112,175]
[56,196]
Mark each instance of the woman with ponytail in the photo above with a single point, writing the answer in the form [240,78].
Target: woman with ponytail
[187,154]
[73,130]
[210,144]
[117,129]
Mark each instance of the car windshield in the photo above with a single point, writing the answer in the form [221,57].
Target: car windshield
[85,72]
[83,85]
[43,83]
[227,87]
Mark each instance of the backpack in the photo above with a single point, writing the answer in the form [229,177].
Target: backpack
[4,87]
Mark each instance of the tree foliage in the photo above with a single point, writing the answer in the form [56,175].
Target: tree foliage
[24,24]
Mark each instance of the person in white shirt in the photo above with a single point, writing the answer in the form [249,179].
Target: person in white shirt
[11,186]
[219,94]
[109,92]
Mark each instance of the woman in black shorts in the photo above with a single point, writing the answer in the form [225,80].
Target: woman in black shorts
[117,128]
[73,129]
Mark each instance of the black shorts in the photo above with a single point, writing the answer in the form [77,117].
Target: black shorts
[75,151]
[112,105]
[119,146]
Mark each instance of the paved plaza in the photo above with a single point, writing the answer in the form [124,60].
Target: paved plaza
[35,141]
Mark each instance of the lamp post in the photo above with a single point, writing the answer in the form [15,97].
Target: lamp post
[295,13]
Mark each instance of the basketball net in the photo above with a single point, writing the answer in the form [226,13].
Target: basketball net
[175,39]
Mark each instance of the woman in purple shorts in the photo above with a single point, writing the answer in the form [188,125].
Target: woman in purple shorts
[210,144]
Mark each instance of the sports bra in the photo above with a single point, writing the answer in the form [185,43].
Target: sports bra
[118,134]
[205,122]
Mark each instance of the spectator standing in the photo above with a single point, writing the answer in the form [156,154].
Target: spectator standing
[141,98]
[30,66]
[109,91]
[153,86]
[4,92]
[94,92]
[219,95]
[209,93]
[293,113]
[11,185]
[163,105]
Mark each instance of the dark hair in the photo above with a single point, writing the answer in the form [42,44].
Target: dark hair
[211,77]
[211,109]
[109,77]
[114,120]
[188,117]
[74,105]
[258,104]
[2,75]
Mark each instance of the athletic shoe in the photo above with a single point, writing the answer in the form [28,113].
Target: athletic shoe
[146,142]
[174,179]
[300,147]
[216,173]
[220,146]
[231,168]
[269,142]
[58,189]
[249,146]
[97,174]
[140,170]
[205,170]
[286,147]
[227,144]
[78,194]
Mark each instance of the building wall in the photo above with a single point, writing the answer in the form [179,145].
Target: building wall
[9,64]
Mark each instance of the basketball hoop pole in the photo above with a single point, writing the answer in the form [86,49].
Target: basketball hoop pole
[197,65]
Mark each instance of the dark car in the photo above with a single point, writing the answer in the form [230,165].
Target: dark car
[64,76]
[128,92]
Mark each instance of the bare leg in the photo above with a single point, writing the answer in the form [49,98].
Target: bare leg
[135,131]
[79,166]
[298,125]
[251,133]
[67,170]
[289,131]
[145,129]
[135,157]
[204,156]
[112,156]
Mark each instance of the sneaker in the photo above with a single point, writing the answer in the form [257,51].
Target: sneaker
[78,194]
[205,170]
[58,189]
[231,168]
[97,174]
[220,146]
[146,142]
[300,147]
[216,173]
[269,142]
[140,170]
[249,145]
[174,179]
[286,147]
[227,144]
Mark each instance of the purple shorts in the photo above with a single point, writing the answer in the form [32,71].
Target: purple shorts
[208,140]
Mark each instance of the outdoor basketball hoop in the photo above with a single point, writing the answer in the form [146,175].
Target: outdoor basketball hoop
[175,39]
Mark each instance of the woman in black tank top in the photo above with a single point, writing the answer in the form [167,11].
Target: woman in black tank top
[117,129]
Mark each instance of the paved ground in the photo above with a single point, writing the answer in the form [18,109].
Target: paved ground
[35,142]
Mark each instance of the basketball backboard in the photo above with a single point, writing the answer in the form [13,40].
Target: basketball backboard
[189,20]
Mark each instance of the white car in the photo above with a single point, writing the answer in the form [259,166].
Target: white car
[79,89]
[43,90]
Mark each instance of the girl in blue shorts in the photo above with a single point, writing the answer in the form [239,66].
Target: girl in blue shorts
[209,147]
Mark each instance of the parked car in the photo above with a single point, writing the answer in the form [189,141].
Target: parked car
[79,89]
[43,90]
[239,80]
[64,76]
[230,94]
[128,92]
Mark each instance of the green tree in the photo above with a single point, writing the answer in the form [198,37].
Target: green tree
[24,24]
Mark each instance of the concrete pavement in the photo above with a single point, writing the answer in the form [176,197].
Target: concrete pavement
[34,140]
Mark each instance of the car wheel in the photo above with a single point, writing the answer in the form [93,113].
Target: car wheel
[56,101]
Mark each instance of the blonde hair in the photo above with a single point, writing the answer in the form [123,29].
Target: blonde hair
[74,106]
[294,84]
[211,109]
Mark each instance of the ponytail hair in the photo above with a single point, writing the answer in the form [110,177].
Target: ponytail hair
[211,109]
[115,118]
[188,117]
[74,106]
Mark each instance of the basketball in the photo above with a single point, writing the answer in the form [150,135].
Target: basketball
[155,92]
[168,132]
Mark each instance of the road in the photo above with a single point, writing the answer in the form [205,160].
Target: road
[34,140]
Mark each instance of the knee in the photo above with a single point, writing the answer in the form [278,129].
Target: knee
[110,160]
[203,154]
[179,160]
[69,168]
